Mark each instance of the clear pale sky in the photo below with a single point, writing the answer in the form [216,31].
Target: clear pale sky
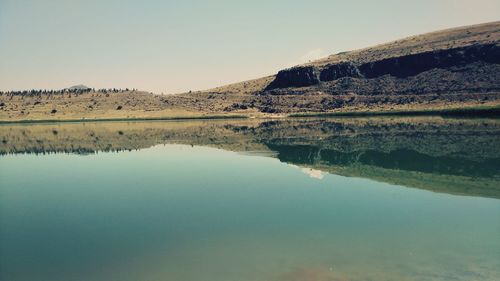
[175,46]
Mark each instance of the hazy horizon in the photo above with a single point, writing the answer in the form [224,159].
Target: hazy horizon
[174,46]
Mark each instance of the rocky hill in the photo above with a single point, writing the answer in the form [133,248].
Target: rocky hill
[453,68]
[443,68]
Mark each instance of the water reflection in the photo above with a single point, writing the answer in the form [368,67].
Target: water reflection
[275,210]
[457,156]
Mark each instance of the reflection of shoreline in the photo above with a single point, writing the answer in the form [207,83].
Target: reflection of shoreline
[456,156]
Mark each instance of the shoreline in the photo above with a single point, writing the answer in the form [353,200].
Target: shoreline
[170,118]
[467,112]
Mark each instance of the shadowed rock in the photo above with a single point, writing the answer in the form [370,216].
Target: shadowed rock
[400,67]
[340,70]
[301,76]
[414,64]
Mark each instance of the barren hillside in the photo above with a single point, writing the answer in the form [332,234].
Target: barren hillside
[452,68]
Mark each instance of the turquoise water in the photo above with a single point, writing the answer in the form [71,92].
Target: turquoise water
[195,213]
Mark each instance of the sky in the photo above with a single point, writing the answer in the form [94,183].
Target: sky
[168,47]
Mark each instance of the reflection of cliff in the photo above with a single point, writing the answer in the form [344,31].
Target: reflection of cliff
[459,149]
[403,167]
[454,156]
[405,160]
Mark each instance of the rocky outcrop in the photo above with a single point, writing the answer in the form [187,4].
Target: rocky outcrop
[411,65]
[399,67]
[340,70]
[301,76]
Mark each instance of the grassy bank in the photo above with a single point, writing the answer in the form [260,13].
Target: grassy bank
[485,111]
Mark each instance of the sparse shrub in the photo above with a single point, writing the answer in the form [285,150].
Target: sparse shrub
[119,107]
[53,111]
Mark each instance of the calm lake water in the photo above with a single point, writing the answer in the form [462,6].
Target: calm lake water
[299,200]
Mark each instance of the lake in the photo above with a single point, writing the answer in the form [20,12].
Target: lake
[284,199]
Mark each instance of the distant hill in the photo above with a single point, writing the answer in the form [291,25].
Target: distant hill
[79,87]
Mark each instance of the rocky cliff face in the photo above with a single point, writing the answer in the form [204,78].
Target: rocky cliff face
[340,70]
[411,65]
[399,67]
[295,77]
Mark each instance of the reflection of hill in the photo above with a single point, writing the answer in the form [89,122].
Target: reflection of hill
[453,156]
[86,138]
